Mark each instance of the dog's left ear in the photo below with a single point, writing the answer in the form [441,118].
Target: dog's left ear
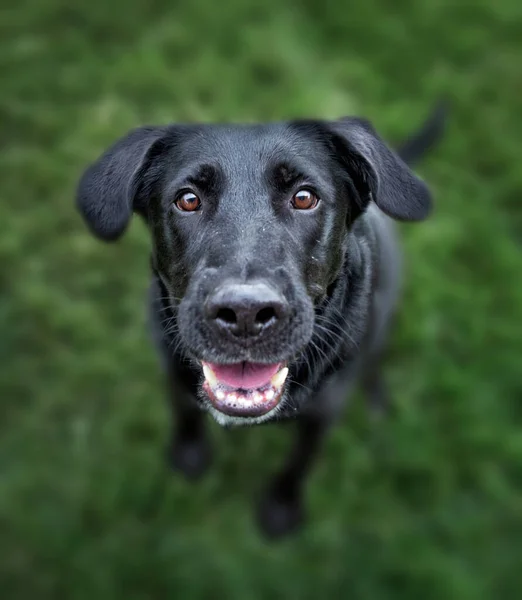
[377,172]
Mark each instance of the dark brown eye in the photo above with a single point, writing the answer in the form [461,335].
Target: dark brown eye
[304,200]
[188,202]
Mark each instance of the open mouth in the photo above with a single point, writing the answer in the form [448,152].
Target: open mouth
[244,389]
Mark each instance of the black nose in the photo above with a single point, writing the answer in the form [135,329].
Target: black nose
[246,309]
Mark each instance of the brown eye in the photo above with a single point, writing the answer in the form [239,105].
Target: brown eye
[304,200]
[188,202]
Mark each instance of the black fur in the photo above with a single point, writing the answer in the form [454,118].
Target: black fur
[336,268]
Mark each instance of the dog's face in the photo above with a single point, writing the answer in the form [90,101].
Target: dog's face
[249,226]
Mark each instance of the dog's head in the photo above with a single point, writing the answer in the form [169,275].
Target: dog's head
[249,227]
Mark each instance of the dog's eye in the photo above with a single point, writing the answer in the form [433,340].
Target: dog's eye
[304,200]
[188,202]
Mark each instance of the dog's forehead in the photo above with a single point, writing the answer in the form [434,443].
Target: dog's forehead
[258,145]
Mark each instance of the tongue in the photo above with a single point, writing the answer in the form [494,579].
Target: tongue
[245,375]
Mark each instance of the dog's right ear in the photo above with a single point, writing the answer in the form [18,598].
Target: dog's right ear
[108,190]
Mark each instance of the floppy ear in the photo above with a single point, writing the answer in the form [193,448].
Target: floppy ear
[108,190]
[378,173]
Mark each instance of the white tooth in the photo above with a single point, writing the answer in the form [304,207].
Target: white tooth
[269,394]
[279,378]
[209,375]
[258,397]
[232,398]
[220,395]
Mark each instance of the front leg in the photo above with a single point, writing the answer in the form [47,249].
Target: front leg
[281,510]
[189,449]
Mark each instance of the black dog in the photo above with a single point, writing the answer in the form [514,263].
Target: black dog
[275,271]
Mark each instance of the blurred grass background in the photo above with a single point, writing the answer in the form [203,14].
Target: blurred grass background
[425,505]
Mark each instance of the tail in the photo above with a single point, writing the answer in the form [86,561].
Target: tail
[418,144]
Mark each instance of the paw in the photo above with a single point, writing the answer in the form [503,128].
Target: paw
[278,518]
[190,457]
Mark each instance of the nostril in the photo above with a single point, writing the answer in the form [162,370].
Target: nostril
[265,315]
[227,315]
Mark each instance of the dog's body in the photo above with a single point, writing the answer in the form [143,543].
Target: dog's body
[281,289]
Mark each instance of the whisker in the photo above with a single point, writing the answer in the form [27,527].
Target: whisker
[323,353]
[293,381]
[164,308]
[336,336]
[337,326]
[168,298]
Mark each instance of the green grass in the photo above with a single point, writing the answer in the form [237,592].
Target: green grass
[426,505]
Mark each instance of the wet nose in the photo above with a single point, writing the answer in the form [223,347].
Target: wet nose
[246,309]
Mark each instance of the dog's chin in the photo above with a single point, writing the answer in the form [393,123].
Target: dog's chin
[243,393]
[225,420]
